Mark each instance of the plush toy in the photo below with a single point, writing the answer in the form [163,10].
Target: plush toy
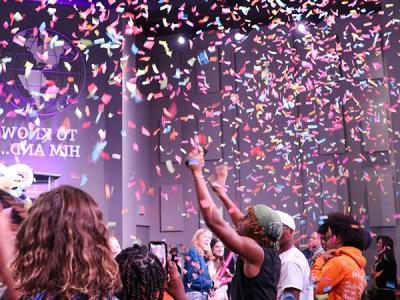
[15,179]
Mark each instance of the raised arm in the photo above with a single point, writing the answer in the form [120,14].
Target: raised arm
[246,247]
[217,184]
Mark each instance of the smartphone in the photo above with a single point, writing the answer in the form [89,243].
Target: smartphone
[205,151]
[159,249]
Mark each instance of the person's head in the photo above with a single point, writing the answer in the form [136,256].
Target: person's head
[142,274]
[201,241]
[262,224]
[114,245]
[62,247]
[340,230]
[289,227]
[174,251]
[217,248]
[384,244]
[314,241]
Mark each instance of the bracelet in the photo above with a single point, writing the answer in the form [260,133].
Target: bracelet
[198,178]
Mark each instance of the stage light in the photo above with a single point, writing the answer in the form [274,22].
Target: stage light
[181,40]
[302,28]
[239,36]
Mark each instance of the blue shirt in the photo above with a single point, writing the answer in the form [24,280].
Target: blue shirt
[197,277]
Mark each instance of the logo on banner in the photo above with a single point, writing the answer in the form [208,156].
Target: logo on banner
[43,71]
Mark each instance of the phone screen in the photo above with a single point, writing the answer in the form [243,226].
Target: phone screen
[159,249]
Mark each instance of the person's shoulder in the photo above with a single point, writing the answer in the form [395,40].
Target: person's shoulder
[290,254]
[294,255]
[270,251]
[299,255]
[271,255]
[192,252]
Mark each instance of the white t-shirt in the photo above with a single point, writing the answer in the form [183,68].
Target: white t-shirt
[295,273]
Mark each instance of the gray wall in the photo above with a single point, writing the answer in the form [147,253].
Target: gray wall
[309,134]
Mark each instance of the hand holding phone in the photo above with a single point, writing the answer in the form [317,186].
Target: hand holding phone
[191,161]
[160,249]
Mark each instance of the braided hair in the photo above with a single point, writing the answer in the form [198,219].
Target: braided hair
[142,274]
[256,231]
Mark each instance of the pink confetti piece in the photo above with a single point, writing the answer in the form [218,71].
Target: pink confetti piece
[145,131]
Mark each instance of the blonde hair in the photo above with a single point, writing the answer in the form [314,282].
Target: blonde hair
[195,242]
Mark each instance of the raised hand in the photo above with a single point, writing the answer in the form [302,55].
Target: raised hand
[195,160]
[327,255]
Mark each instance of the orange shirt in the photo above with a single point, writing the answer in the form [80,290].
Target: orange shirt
[342,277]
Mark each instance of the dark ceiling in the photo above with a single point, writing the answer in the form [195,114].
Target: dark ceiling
[166,17]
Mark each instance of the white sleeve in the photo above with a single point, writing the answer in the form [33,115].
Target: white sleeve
[292,276]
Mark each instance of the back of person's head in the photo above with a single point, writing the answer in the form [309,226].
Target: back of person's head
[62,248]
[142,274]
[388,243]
[173,251]
[350,231]
[265,225]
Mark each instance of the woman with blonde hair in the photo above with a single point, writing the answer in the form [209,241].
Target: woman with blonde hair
[196,278]
[62,249]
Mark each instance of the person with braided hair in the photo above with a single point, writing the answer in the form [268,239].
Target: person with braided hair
[254,240]
[144,278]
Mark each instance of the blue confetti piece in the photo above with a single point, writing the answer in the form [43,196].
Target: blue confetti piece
[203,58]
[53,41]
[84,179]
[42,27]
[98,117]
[326,289]
[217,19]
[134,49]
[177,73]
[167,129]
[97,151]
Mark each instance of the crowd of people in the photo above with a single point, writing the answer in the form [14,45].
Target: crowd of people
[61,249]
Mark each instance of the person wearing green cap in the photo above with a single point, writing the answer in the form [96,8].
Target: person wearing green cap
[254,240]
